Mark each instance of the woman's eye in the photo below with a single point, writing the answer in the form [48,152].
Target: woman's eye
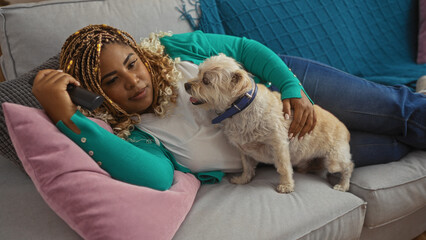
[132,64]
[109,82]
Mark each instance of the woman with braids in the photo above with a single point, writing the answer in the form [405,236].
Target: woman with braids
[145,101]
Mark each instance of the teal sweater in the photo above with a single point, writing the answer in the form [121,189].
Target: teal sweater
[141,160]
[259,60]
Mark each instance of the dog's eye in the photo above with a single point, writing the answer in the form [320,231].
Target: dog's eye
[206,81]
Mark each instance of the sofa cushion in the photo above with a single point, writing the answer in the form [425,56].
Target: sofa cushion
[421,52]
[31,33]
[408,227]
[24,214]
[392,191]
[19,91]
[256,211]
[85,196]
[376,40]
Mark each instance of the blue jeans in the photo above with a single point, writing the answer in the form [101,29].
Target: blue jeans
[386,122]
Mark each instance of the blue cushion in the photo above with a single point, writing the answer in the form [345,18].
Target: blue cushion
[373,39]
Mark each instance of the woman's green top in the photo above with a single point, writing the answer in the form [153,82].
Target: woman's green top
[255,57]
[143,160]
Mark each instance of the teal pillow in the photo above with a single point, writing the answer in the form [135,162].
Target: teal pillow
[374,39]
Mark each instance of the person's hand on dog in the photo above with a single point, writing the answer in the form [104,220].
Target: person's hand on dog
[304,118]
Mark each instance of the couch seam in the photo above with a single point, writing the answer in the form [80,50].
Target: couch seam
[382,188]
[395,219]
[3,11]
[8,46]
[35,5]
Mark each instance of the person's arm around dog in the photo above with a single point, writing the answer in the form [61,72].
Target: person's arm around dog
[257,59]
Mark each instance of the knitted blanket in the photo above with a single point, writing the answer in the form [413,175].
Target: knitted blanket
[373,39]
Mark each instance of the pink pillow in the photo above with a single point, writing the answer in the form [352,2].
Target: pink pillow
[85,196]
[421,53]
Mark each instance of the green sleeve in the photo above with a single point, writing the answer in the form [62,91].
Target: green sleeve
[146,141]
[211,177]
[122,160]
[254,56]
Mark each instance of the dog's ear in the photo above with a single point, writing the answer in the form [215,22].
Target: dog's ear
[236,76]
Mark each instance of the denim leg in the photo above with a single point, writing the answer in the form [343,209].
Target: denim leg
[390,112]
[370,148]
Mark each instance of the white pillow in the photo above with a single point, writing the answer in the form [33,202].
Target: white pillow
[31,33]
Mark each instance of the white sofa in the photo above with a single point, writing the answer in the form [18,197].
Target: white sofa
[385,201]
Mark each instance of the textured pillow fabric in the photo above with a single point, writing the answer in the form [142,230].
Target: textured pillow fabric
[421,52]
[373,39]
[31,33]
[85,196]
[19,91]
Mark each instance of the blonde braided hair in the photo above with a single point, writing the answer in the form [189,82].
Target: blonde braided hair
[80,57]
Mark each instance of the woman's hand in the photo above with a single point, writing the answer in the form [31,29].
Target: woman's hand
[50,89]
[304,118]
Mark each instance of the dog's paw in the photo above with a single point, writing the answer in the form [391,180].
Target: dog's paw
[285,188]
[342,188]
[239,180]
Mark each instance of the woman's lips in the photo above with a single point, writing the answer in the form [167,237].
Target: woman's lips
[139,95]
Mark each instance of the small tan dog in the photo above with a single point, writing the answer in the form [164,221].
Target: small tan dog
[258,128]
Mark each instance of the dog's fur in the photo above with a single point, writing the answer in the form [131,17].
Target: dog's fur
[260,131]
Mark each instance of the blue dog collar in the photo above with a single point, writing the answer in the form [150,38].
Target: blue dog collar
[239,105]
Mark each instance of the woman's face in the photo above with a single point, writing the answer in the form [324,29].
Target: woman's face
[125,79]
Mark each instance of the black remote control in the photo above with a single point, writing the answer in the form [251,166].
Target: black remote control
[82,97]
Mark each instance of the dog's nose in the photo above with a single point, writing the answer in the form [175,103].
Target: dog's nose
[187,86]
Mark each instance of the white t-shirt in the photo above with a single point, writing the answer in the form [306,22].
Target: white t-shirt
[189,134]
